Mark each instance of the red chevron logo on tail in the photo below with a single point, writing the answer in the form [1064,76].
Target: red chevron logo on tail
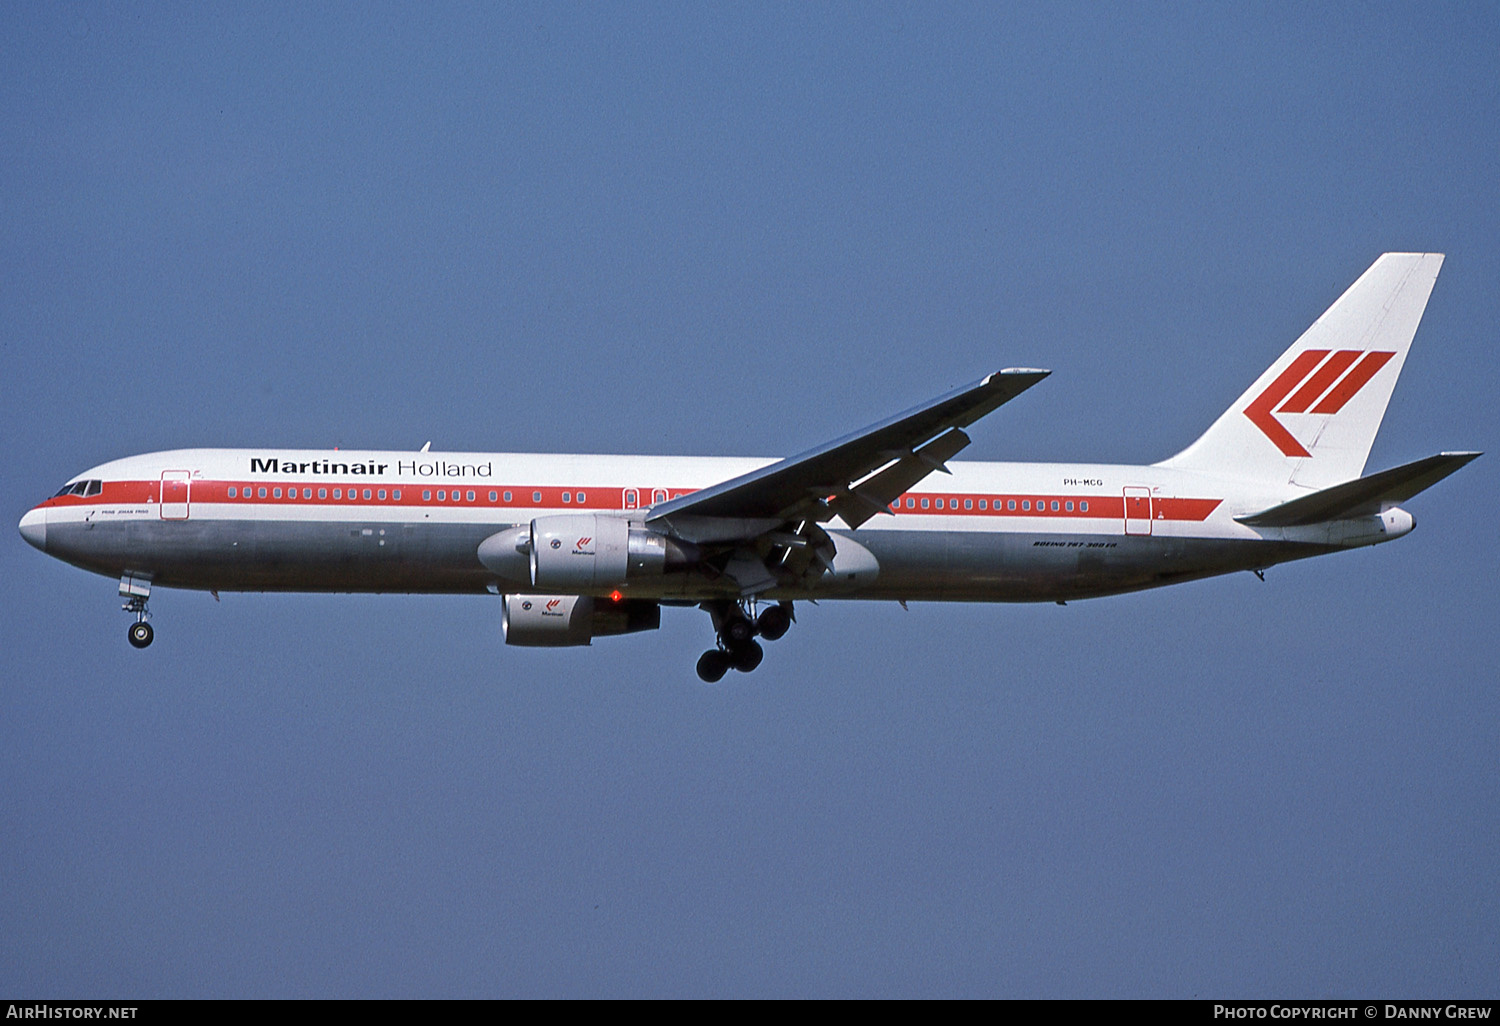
[1329,380]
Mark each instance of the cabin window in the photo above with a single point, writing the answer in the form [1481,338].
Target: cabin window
[338,493]
[969,504]
[367,494]
[925,503]
[1054,505]
[1070,507]
[506,497]
[581,496]
[262,493]
[536,496]
[567,496]
[442,495]
[469,495]
[396,495]
[380,495]
[322,493]
[426,494]
[911,503]
[983,504]
[1025,505]
[232,492]
[275,493]
[1083,507]
[492,496]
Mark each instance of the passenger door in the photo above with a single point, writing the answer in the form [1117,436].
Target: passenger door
[175,488]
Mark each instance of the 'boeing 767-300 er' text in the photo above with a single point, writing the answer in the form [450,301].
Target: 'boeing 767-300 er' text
[586,546]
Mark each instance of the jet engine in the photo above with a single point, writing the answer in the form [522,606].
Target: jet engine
[585,553]
[557,621]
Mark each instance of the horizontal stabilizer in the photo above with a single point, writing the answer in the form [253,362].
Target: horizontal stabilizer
[1363,496]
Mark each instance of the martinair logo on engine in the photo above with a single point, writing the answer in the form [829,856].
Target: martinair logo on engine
[1328,380]
[583,547]
[551,609]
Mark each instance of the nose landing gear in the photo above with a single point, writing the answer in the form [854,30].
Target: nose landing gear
[135,589]
[737,628]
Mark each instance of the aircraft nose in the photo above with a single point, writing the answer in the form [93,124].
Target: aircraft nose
[34,528]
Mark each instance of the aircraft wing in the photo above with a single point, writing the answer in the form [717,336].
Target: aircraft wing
[1362,496]
[854,477]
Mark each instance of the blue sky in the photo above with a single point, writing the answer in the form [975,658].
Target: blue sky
[743,230]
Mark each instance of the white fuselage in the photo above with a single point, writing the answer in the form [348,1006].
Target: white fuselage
[320,520]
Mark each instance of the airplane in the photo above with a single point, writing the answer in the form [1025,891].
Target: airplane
[580,547]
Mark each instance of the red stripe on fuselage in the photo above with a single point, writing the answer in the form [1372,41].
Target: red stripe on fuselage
[1086,507]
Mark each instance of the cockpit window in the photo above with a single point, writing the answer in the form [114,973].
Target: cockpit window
[84,488]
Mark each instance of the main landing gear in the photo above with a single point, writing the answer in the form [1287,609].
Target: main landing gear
[135,590]
[737,627]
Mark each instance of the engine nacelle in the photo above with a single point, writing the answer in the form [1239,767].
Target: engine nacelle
[558,621]
[586,553]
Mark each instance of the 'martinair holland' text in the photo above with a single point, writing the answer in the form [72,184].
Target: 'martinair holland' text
[434,468]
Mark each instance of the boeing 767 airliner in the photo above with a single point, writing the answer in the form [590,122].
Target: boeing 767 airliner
[580,547]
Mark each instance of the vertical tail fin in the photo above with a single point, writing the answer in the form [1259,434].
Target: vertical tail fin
[1311,418]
